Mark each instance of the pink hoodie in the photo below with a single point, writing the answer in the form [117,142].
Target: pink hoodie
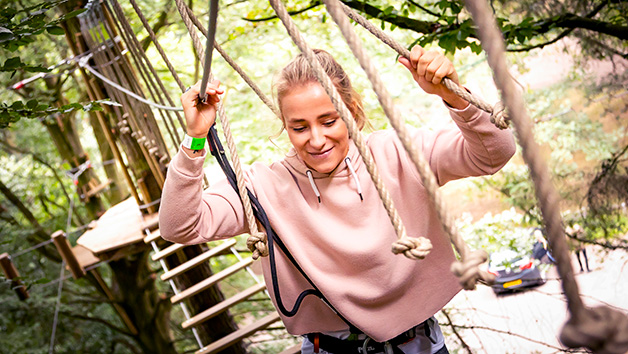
[341,242]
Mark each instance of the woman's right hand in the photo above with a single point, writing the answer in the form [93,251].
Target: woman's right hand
[200,116]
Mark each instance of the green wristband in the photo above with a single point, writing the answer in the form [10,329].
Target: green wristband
[193,143]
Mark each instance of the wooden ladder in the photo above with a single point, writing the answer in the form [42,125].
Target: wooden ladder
[180,296]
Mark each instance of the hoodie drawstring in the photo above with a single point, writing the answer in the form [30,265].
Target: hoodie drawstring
[355,176]
[311,178]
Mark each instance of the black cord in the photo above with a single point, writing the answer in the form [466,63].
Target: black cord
[218,152]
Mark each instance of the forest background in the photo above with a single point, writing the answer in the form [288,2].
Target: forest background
[49,126]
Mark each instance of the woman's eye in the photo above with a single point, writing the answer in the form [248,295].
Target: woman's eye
[329,123]
[298,129]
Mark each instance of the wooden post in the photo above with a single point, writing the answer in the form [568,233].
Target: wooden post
[119,309]
[12,274]
[63,246]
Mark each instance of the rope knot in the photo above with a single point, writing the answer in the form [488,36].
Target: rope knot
[469,272]
[256,243]
[601,329]
[411,247]
[499,116]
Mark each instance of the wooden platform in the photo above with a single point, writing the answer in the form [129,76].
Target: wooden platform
[120,226]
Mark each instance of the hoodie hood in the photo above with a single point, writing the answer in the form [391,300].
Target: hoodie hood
[348,167]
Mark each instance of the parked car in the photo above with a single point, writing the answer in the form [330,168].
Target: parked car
[514,272]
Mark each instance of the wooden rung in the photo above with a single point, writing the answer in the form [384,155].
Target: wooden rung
[167,251]
[98,189]
[206,283]
[296,349]
[197,260]
[154,236]
[222,306]
[244,332]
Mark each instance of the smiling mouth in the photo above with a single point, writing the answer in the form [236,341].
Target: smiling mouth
[321,155]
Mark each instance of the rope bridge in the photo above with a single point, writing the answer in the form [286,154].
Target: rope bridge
[601,329]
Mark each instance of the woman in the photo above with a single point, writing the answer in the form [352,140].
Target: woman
[325,209]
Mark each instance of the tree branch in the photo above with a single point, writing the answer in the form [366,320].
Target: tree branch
[372,11]
[312,5]
[453,328]
[97,320]
[162,21]
[518,336]
[541,45]
[423,8]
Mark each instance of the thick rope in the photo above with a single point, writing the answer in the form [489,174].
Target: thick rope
[92,26]
[578,331]
[404,244]
[467,269]
[257,240]
[603,330]
[159,48]
[234,65]
[153,82]
[498,115]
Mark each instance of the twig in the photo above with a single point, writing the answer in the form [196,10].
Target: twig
[453,328]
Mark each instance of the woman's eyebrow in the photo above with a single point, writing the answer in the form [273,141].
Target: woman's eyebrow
[327,114]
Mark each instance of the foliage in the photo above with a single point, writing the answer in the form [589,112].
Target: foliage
[11,113]
[507,230]
[19,27]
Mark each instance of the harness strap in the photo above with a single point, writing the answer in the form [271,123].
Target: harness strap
[218,152]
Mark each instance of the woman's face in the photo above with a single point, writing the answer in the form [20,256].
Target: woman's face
[315,129]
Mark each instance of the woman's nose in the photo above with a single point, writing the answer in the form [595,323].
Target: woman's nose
[317,138]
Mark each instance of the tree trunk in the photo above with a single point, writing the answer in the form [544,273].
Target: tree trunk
[134,288]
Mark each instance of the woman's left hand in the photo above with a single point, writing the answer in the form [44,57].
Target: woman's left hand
[428,69]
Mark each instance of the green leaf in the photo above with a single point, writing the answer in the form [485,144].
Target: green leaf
[73,14]
[36,69]
[55,30]
[12,64]
[5,34]
[31,104]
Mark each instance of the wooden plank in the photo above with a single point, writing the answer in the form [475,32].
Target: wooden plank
[84,256]
[206,283]
[296,349]
[14,276]
[154,236]
[167,251]
[222,306]
[200,259]
[65,250]
[120,226]
[244,332]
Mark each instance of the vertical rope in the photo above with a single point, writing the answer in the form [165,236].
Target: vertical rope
[148,73]
[257,240]
[498,115]
[417,248]
[234,65]
[470,261]
[602,329]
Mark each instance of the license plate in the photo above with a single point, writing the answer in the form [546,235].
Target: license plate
[512,283]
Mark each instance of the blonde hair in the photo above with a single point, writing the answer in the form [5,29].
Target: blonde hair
[298,73]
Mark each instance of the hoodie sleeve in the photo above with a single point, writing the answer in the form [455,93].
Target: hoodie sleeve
[189,215]
[476,148]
